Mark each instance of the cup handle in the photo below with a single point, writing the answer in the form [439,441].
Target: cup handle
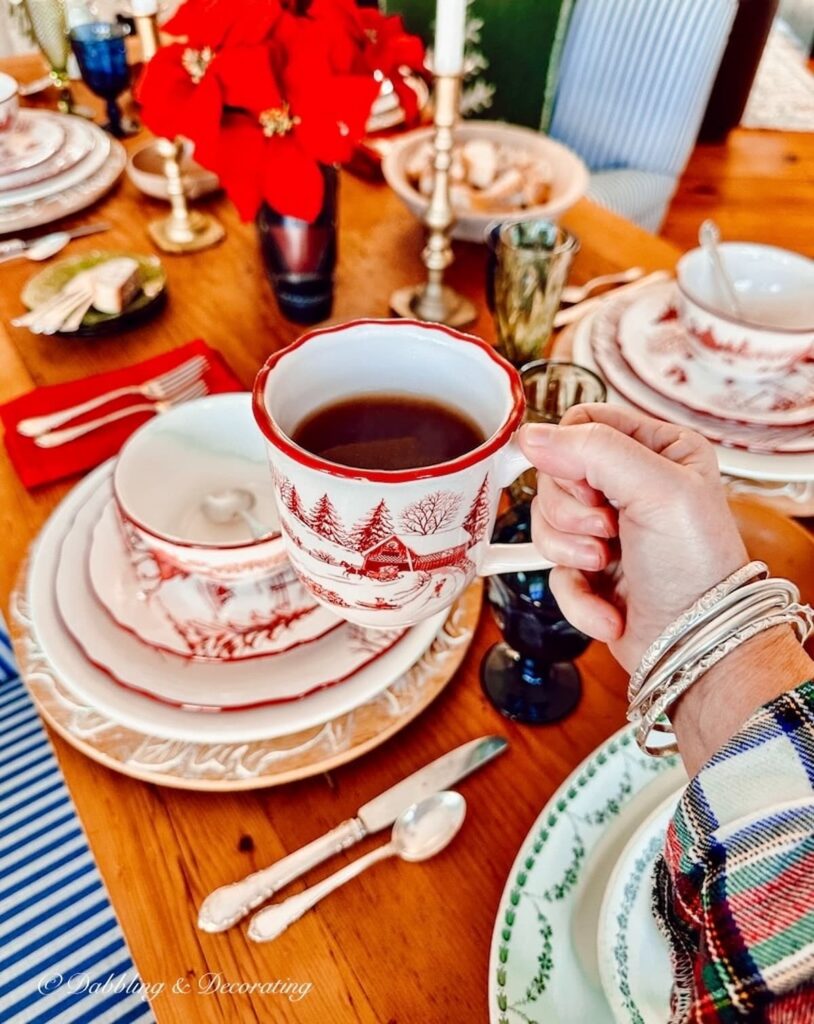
[512,557]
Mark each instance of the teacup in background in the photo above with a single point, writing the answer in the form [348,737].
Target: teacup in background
[167,468]
[775,289]
[390,548]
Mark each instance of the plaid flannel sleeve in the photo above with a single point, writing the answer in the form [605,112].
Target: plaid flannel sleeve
[734,890]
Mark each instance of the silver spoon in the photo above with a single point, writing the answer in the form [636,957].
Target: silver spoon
[42,249]
[230,504]
[420,832]
[710,237]
[574,293]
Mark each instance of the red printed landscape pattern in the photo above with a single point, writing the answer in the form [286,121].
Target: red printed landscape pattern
[414,557]
[217,621]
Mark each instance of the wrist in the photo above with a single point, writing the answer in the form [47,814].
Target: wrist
[713,710]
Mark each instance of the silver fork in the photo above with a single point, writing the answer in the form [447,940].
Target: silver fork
[57,437]
[157,389]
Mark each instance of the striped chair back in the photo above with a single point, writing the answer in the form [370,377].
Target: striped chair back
[635,77]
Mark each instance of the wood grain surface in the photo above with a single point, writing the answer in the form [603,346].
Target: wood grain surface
[403,943]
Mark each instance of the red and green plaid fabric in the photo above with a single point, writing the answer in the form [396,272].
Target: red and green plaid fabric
[734,891]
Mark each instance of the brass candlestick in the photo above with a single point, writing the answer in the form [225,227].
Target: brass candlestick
[182,231]
[434,300]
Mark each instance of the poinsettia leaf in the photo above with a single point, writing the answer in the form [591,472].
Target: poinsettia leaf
[201,22]
[172,104]
[407,99]
[333,122]
[253,22]
[292,181]
[239,162]
[247,78]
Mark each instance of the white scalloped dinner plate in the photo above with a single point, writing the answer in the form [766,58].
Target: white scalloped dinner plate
[67,200]
[75,143]
[152,717]
[772,466]
[100,149]
[35,138]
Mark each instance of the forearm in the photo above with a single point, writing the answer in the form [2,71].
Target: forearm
[715,708]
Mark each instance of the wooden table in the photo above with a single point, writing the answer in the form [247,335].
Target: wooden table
[401,944]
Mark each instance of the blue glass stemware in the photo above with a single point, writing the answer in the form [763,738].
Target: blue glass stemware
[530,677]
[102,58]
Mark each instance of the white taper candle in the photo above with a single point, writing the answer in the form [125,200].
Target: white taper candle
[450,18]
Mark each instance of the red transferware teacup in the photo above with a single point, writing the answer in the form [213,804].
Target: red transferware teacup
[775,292]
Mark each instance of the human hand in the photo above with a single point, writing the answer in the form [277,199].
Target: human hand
[633,512]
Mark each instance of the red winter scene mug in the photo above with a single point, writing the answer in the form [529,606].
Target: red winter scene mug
[392,547]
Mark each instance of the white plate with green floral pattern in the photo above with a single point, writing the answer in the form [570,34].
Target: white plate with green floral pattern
[634,959]
[543,967]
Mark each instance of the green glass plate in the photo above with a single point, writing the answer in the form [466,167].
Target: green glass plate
[148,300]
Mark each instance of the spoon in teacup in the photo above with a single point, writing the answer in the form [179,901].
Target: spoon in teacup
[709,236]
[231,504]
[420,832]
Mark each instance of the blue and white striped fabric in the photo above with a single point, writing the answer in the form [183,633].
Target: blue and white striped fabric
[634,82]
[63,958]
[641,196]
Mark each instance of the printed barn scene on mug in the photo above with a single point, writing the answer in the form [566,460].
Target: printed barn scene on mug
[413,556]
[407,415]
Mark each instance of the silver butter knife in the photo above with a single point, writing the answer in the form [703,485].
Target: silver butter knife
[228,904]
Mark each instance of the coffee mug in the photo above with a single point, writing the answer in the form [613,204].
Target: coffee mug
[392,547]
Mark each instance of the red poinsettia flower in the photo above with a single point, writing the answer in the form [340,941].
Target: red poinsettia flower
[290,123]
[388,48]
[364,41]
[184,90]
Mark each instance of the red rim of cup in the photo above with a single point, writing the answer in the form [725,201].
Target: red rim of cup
[283,442]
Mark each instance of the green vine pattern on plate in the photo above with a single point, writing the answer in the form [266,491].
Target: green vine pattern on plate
[597,818]
[620,946]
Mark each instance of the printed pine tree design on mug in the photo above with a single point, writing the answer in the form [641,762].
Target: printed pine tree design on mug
[414,555]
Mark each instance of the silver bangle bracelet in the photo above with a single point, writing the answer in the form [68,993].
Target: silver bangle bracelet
[736,622]
[701,610]
[733,612]
[801,617]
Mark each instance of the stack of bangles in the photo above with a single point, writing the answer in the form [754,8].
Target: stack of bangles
[741,606]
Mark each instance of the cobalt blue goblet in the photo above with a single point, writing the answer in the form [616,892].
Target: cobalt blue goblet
[529,677]
[102,58]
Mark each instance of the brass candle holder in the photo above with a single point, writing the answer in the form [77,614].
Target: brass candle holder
[433,300]
[183,230]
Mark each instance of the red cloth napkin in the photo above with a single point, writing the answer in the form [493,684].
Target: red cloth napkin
[36,466]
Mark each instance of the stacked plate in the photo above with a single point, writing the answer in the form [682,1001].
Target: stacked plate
[575,939]
[52,165]
[763,429]
[200,683]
